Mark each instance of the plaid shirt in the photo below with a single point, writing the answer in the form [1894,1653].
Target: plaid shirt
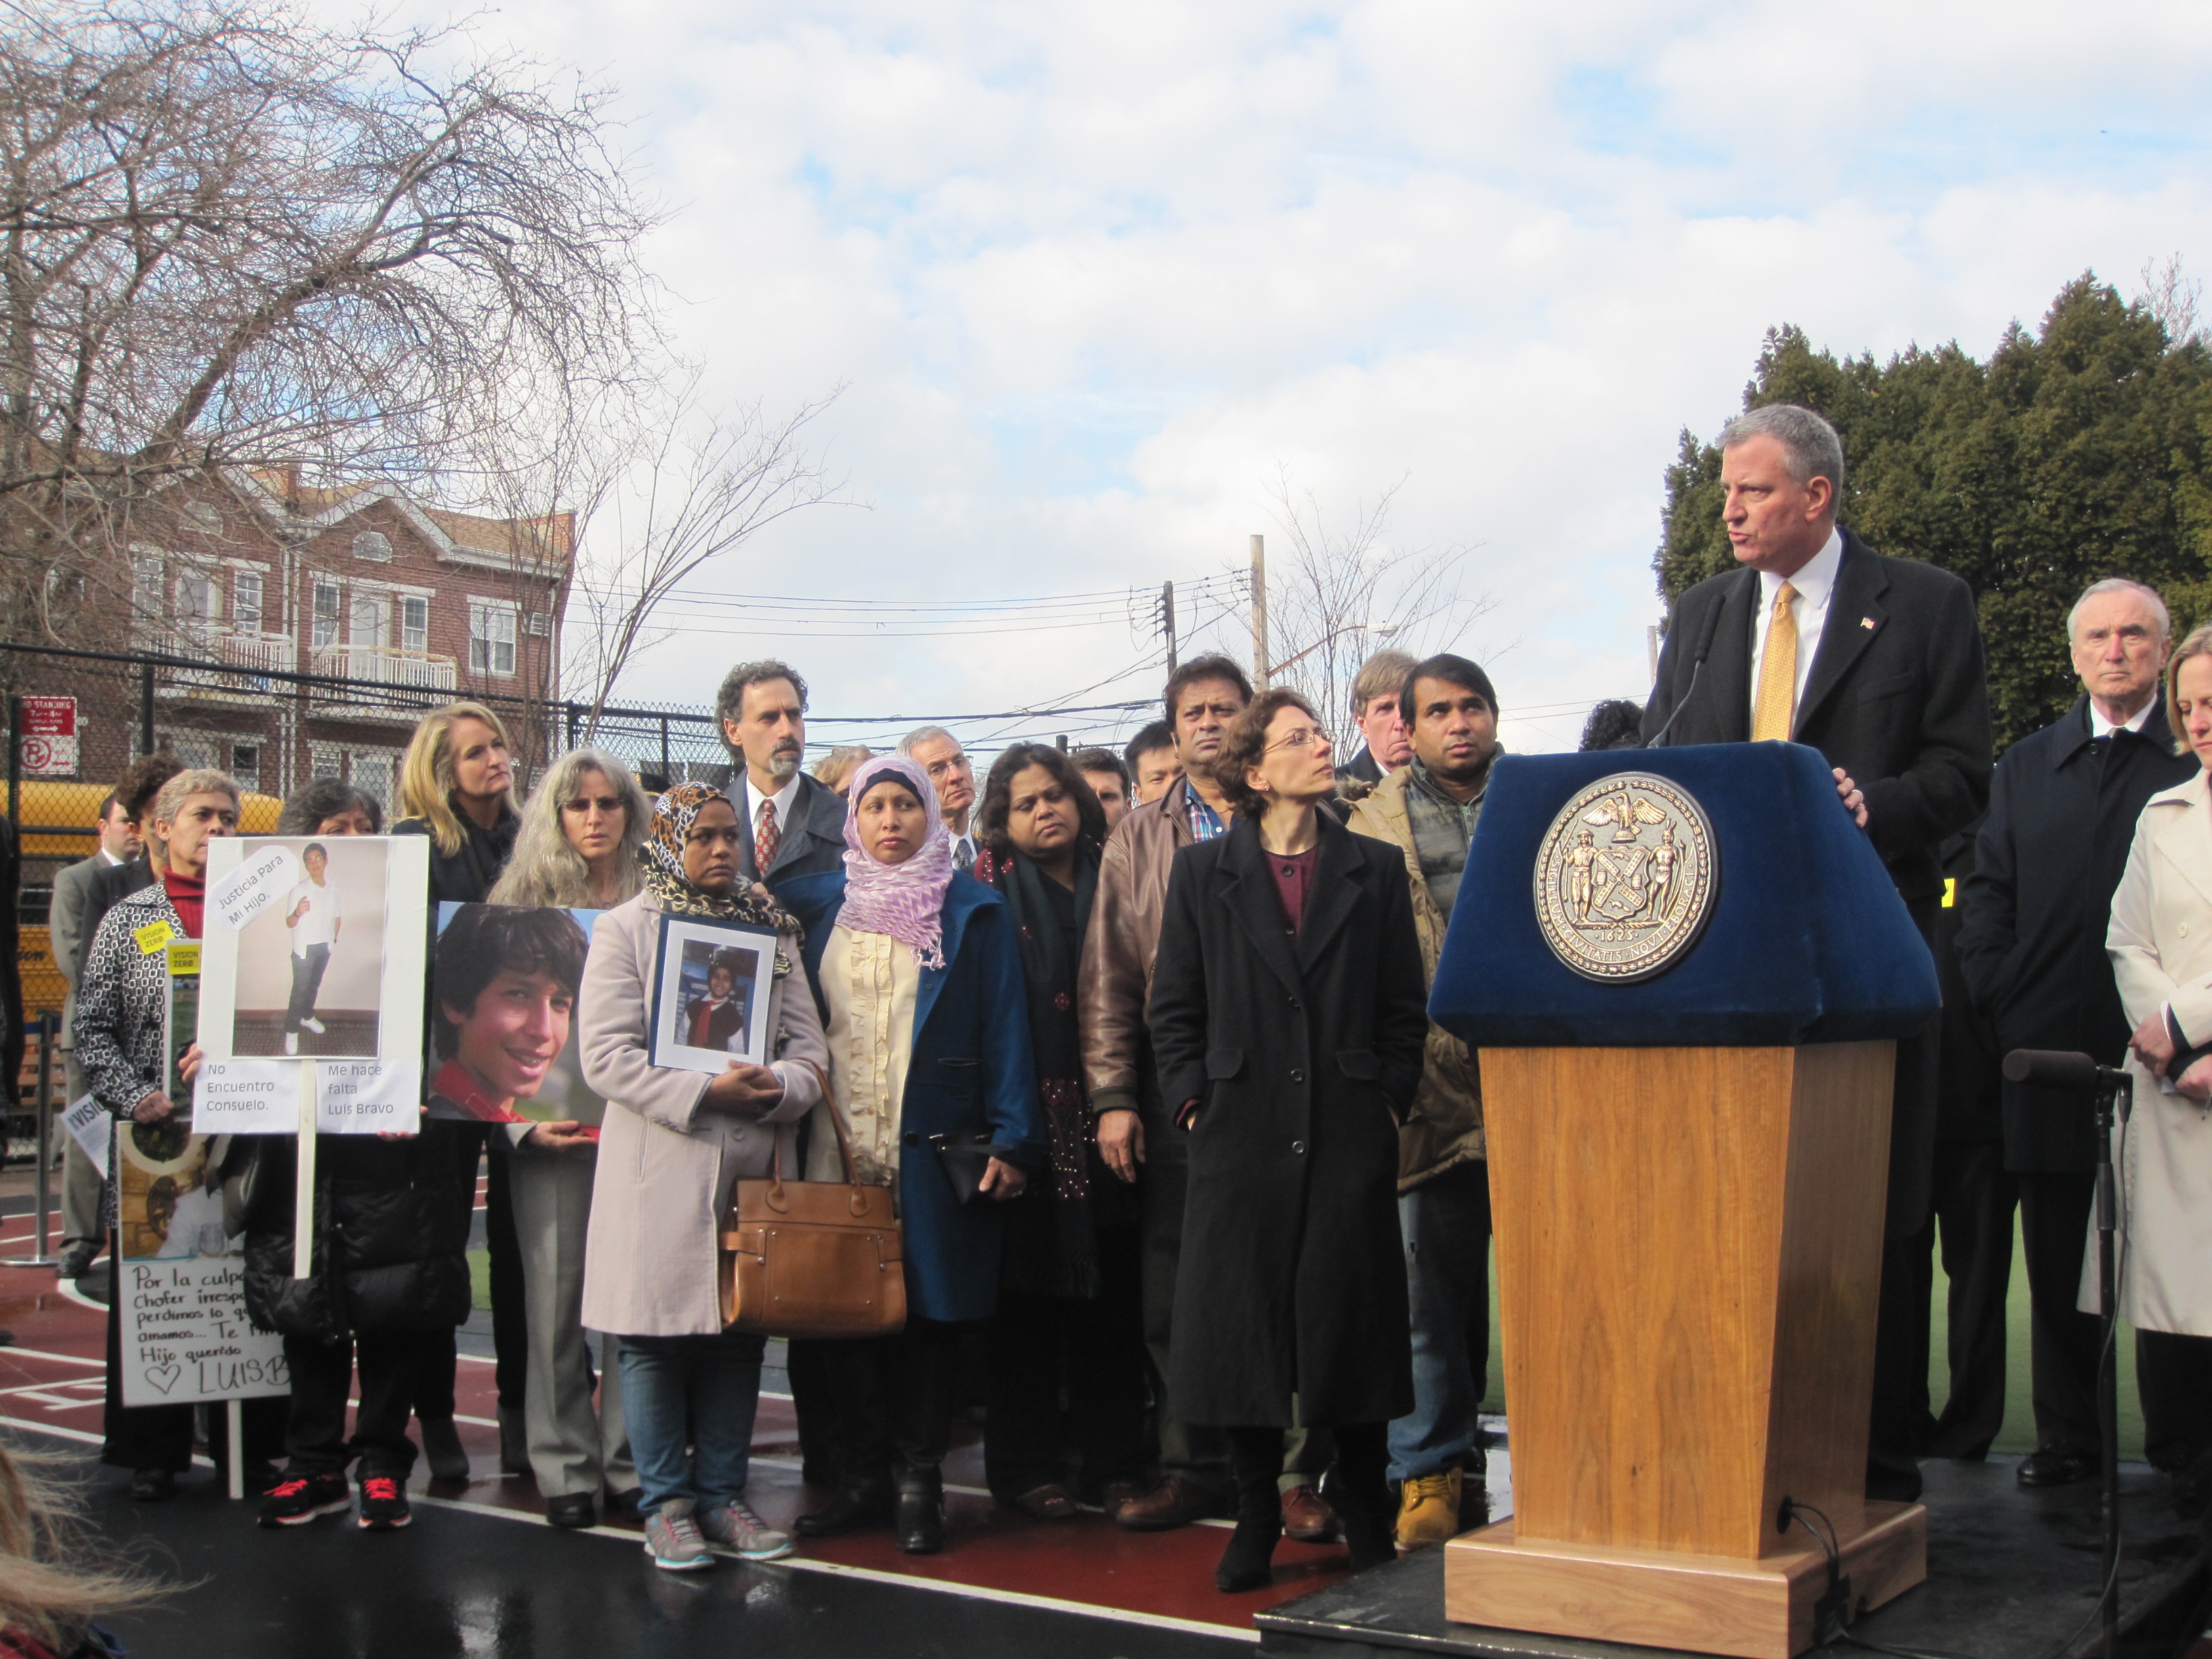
[1205,823]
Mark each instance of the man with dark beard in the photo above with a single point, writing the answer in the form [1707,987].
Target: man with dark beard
[1427,809]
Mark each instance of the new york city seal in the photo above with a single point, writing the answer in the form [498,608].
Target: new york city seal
[1625,877]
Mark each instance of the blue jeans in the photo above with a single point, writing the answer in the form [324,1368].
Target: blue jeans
[1445,1223]
[694,1391]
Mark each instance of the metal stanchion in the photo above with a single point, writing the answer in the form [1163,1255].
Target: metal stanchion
[49,1033]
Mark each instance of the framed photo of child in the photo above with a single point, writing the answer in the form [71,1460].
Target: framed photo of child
[710,994]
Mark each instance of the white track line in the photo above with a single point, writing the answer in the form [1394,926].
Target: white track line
[872,1574]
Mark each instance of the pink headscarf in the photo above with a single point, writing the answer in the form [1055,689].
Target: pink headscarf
[903,900]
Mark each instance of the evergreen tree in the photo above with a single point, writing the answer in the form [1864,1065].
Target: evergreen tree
[2073,455]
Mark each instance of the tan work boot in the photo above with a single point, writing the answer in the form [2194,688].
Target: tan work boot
[1428,1508]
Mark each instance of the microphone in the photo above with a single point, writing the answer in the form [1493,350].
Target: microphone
[1697,666]
[2055,1068]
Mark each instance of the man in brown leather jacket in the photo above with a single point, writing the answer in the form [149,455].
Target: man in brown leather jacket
[1135,1129]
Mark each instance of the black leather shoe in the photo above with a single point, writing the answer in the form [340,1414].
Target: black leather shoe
[441,1446]
[78,1262]
[152,1485]
[920,1518]
[857,1504]
[575,1510]
[2057,1466]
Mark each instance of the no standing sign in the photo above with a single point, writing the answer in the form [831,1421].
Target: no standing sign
[48,737]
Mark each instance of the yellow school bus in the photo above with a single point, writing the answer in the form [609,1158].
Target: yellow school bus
[57,823]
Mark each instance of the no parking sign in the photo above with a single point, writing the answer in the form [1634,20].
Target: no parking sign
[48,737]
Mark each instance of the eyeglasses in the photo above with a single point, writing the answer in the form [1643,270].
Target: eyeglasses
[604,803]
[1303,738]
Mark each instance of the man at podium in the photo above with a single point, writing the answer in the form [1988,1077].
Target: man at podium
[1877,663]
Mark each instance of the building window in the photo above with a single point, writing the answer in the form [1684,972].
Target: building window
[326,615]
[326,759]
[541,624]
[491,640]
[371,627]
[372,544]
[195,748]
[414,626]
[198,606]
[246,766]
[146,586]
[246,601]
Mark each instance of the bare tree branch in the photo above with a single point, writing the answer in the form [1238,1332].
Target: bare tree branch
[1344,593]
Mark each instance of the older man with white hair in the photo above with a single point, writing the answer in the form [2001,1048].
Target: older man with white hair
[939,753]
[2062,812]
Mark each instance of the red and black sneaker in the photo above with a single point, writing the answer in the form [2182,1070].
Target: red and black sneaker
[299,1498]
[383,1504]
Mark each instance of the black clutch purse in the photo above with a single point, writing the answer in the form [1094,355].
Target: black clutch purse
[965,1158]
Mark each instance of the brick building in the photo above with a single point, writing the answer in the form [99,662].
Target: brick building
[403,605]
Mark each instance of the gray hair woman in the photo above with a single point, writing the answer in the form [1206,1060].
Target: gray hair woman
[577,848]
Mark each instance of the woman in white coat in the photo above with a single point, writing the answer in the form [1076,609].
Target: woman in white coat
[2161,943]
[673,1146]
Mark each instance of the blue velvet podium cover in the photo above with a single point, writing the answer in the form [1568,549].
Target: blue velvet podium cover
[1807,942]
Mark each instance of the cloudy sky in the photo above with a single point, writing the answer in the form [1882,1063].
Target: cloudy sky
[1094,276]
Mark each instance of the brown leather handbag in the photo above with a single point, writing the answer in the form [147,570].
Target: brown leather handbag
[812,1258]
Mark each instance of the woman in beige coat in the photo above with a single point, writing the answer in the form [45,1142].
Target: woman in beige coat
[2161,943]
[671,1147]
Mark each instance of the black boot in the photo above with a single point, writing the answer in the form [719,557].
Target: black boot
[1363,1495]
[920,1518]
[865,1502]
[1256,1458]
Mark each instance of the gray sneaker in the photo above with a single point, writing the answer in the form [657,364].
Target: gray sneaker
[737,1528]
[672,1539]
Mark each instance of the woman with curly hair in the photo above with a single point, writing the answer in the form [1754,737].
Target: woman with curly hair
[583,830]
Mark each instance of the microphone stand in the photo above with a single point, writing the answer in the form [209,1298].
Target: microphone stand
[2115,1091]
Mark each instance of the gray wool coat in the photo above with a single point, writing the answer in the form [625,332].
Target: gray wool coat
[666,1164]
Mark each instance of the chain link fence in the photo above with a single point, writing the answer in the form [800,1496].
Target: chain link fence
[76,719]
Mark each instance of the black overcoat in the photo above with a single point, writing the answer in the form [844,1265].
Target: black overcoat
[2062,813]
[1299,1050]
[1898,698]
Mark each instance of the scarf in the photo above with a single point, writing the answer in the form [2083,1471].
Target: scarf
[188,893]
[673,814]
[906,901]
[1055,1254]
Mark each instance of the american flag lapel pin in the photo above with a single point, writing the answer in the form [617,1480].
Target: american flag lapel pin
[1867,623]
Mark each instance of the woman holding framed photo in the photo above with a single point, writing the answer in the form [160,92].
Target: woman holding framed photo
[931,1074]
[682,1140]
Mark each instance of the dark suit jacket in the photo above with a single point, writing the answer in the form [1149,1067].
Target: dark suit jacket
[67,926]
[1898,695]
[1899,699]
[103,890]
[2032,941]
[814,838]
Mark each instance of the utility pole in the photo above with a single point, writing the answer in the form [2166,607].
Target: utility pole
[1258,613]
[1167,621]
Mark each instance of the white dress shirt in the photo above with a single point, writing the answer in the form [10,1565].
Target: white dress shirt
[1815,583]
[2101,727]
[779,804]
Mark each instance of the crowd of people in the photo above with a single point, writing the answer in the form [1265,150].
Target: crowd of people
[1229,1252]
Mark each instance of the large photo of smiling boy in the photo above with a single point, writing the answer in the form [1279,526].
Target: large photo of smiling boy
[504,979]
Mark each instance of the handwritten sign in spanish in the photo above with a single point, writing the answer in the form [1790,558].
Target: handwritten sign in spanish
[369,1097]
[186,1338]
[269,871]
[247,1098]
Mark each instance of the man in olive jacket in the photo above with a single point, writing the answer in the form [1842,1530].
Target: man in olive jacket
[1427,810]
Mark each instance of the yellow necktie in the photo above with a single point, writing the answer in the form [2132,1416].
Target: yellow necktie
[1770,715]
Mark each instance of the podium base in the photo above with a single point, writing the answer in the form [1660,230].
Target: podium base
[1759,1609]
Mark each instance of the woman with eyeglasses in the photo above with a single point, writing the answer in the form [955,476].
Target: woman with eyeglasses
[1288,1020]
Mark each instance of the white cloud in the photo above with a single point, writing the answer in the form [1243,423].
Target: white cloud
[1090,272]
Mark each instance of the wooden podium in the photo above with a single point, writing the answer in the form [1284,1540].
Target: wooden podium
[1689,1246]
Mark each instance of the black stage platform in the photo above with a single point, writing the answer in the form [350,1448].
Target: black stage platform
[2010,1573]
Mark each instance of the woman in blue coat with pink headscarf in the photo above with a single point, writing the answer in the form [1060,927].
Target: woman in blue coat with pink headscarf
[919,983]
